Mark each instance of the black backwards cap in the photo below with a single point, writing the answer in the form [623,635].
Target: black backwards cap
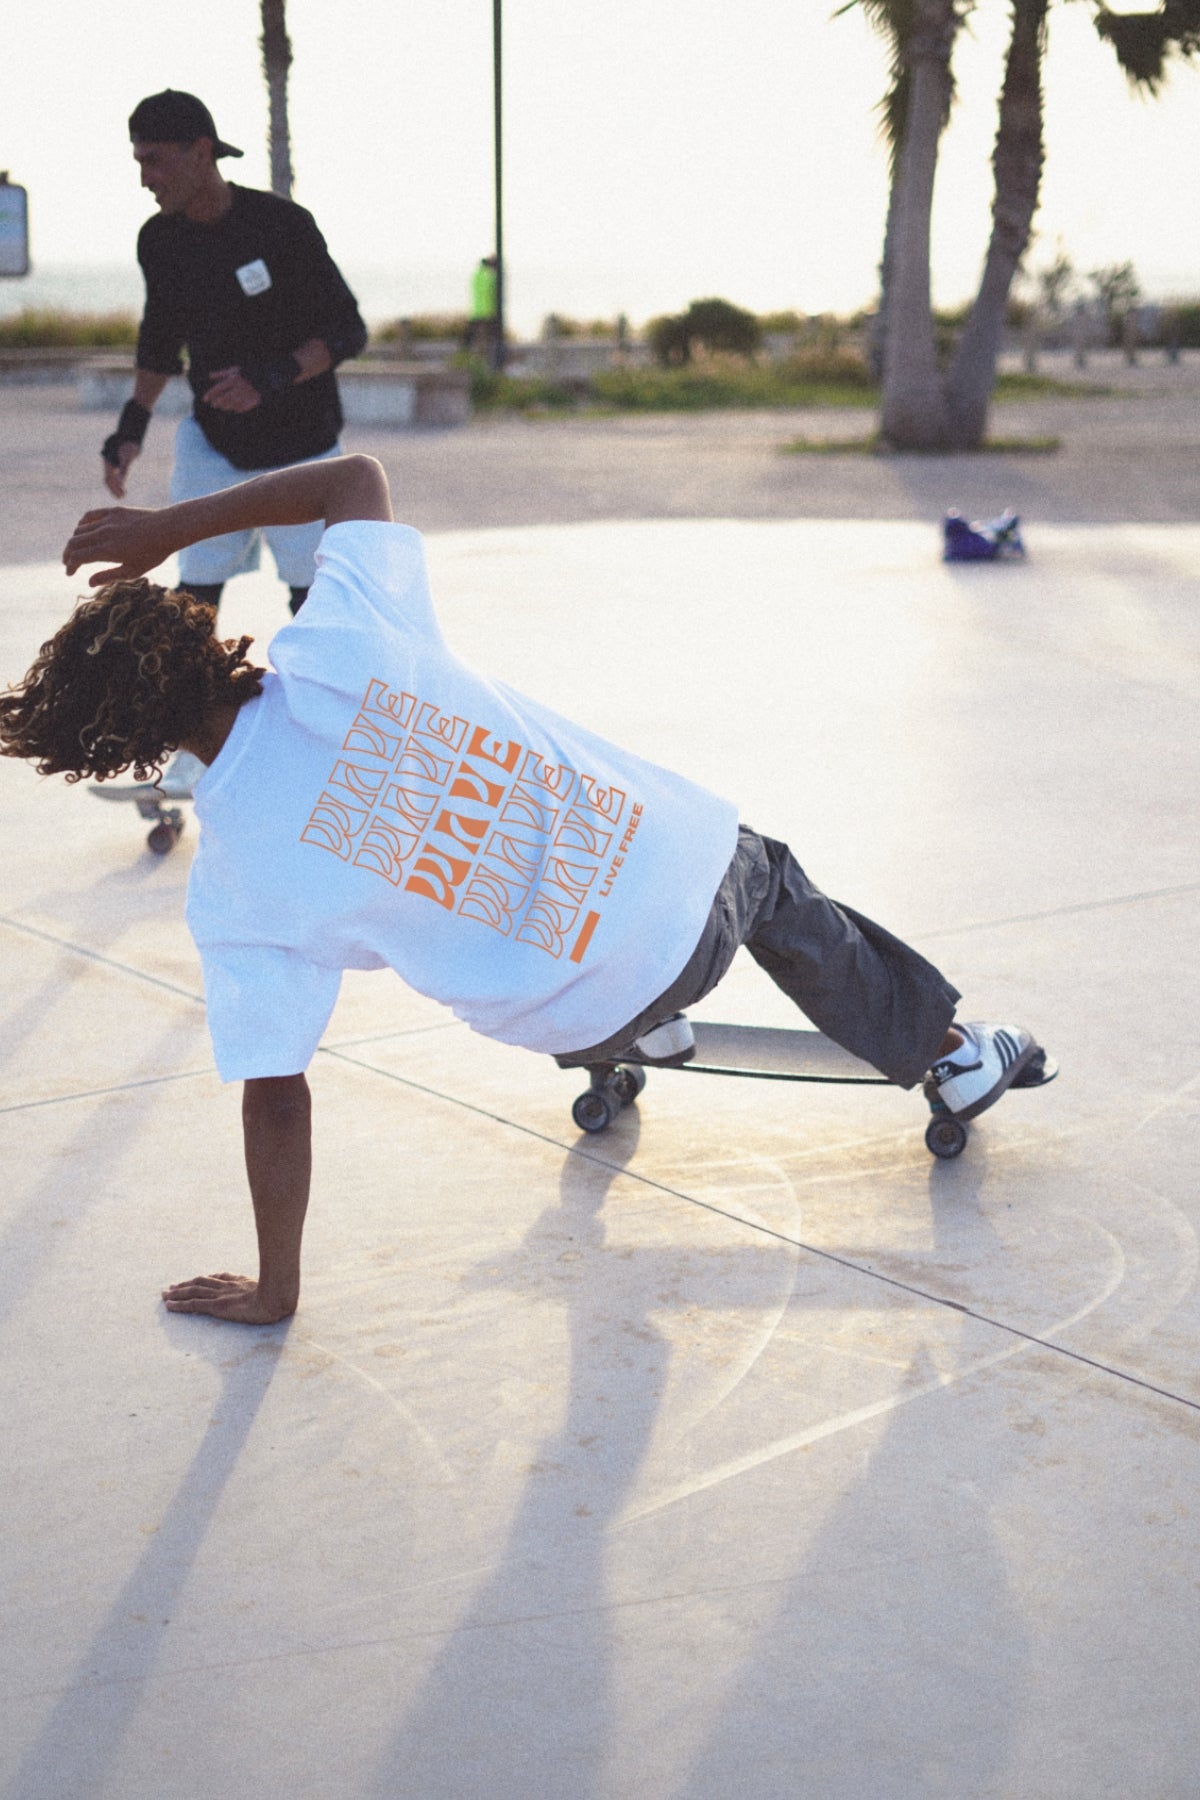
[174,117]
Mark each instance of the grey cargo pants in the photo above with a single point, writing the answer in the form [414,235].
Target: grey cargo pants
[857,983]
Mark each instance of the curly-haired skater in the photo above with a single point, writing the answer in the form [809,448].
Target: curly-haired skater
[372,802]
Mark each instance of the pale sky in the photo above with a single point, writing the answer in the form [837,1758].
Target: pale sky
[654,153]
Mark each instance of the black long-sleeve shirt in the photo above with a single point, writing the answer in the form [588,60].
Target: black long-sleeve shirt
[255,285]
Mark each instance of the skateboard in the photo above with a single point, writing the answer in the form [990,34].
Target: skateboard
[153,803]
[759,1053]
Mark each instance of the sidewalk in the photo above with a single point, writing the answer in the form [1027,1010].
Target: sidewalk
[1132,457]
[744,1450]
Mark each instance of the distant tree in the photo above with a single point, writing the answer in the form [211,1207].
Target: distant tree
[1117,288]
[276,49]
[1117,292]
[1050,286]
[1054,284]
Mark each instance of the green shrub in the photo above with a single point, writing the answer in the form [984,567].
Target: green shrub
[669,341]
[718,325]
[421,326]
[560,326]
[828,368]
[1183,320]
[492,390]
[724,384]
[782,321]
[52,328]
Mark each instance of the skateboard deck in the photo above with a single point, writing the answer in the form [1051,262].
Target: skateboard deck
[762,1053]
[152,803]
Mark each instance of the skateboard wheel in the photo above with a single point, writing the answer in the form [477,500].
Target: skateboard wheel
[595,1110]
[946,1137]
[628,1083]
[163,838]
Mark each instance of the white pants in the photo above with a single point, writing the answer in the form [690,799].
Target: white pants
[199,470]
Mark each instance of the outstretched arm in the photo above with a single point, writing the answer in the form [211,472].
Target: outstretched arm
[135,540]
[277,1125]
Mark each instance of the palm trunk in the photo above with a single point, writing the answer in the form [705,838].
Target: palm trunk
[1017,164]
[914,413]
[877,335]
[276,60]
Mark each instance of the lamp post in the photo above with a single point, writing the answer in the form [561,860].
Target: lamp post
[498,159]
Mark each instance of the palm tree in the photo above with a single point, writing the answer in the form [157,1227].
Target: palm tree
[894,20]
[1017,166]
[276,61]
[914,412]
[923,407]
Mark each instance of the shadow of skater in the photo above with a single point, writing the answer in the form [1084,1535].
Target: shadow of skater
[894,1661]
[520,1699]
[79,1743]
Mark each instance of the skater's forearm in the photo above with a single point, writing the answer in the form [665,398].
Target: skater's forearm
[136,540]
[277,1128]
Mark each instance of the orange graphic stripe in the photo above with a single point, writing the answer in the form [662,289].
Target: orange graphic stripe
[585,936]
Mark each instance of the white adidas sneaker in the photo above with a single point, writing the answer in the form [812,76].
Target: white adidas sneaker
[973,1078]
[669,1044]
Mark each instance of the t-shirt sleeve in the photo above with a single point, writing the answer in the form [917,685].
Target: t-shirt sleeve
[368,573]
[325,306]
[267,1009]
[161,333]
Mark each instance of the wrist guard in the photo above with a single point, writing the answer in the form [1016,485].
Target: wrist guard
[273,374]
[131,429]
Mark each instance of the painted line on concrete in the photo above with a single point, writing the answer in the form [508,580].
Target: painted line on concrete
[1062,912]
[830,1256]
[675,1193]
[109,962]
[121,1087]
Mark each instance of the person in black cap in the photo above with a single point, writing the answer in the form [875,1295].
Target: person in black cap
[242,281]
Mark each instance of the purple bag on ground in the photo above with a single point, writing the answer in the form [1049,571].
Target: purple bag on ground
[981,540]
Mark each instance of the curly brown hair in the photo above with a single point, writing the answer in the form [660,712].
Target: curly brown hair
[130,676]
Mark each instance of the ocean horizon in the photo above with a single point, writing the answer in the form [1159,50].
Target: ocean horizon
[383,292]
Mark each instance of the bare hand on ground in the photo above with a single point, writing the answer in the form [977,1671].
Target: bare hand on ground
[129,537]
[231,392]
[232,1297]
[115,478]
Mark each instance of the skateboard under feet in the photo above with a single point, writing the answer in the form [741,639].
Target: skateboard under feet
[761,1054]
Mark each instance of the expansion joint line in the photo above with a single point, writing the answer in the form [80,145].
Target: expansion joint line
[828,1256]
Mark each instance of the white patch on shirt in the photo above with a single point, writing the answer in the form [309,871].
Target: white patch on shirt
[254,277]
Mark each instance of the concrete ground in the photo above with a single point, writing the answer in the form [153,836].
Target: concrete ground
[746,1449]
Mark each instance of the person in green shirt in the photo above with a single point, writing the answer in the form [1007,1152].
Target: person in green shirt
[481,326]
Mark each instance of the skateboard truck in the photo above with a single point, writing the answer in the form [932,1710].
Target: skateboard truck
[152,803]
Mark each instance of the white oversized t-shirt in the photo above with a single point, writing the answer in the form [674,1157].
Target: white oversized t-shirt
[380,804]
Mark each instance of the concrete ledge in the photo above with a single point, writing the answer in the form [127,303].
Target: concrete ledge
[374,393]
[47,364]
